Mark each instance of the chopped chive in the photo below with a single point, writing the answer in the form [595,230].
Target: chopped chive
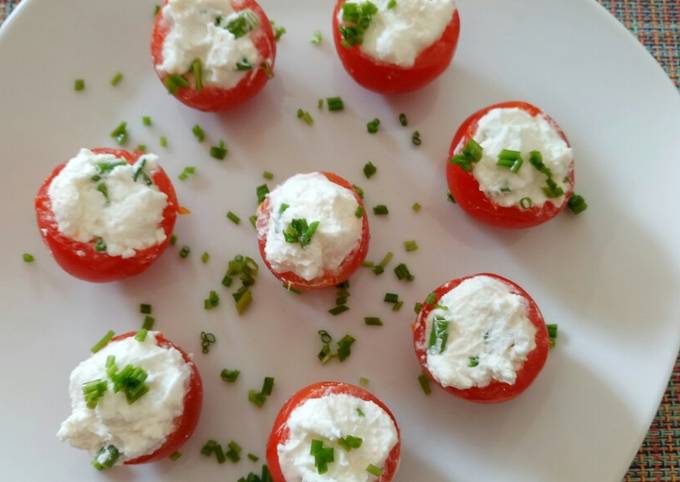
[336,310]
[345,347]
[116,79]
[316,39]
[283,207]
[219,151]
[552,190]
[380,267]
[552,334]
[356,18]
[175,82]
[261,192]
[148,322]
[156,9]
[416,207]
[145,309]
[403,120]
[391,4]
[175,455]
[103,341]
[469,155]
[373,126]
[322,455]
[380,210]
[403,273]
[360,412]
[212,301]
[300,231]
[207,340]
[79,85]
[173,239]
[451,198]
[163,141]
[397,306]
[473,361]
[363,381]
[350,442]
[267,386]
[243,65]
[105,458]
[415,138]
[372,469]
[208,448]
[510,159]
[186,173]
[93,391]
[369,169]
[373,321]
[577,204]
[100,245]
[243,24]
[278,31]
[268,175]
[424,382]
[536,160]
[198,132]
[417,307]
[205,257]
[120,134]
[391,298]
[526,202]
[359,213]
[256,398]
[252,457]
[410,246]
[253,220]
[242,299]
[141,147]
[234,452]
[230,376]
[431,298]
[439,335]
[305,117]
[141,335]
[335,104]
[233,217]
[28,258]
[184,252]
[219,453]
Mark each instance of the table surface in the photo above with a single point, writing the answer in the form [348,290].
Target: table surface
[656,23]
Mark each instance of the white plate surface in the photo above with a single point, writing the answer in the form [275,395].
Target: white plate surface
[609,277]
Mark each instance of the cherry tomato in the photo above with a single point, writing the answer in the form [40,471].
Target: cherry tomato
[387,78]
[193,402]
[212,98]
[496,391]
[346,269]
[81,259]
[279,433]
[465,188]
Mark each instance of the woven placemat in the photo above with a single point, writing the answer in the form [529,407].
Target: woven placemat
[657,24]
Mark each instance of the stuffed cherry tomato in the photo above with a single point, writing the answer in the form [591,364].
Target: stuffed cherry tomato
[511,166]
[106,214]
[213,55]
[137,399]
[391,46]
[313,230]
[336,431]
[481,337]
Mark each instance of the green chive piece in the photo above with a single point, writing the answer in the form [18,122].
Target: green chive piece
[473,361]
[345,347]
[392,4]
[322,455]
[184,252]
[145,309]
[577,204]
[212,301]
[219,151]
[373,321]
[358,190]
[141,147]
[267,385]
[261,192]
[403,273]
[356,18]
[417,307]
[470,154]
[103,341]
[163,141]
[120,134]
[141,335]
[117,78]
[93,391]
[391,298]
[305,117]
[552,190]
[244,65]
[380,267]
[439,335]
[229,376]
[256,398]
[79,85]
[416,207]
[552,334]
[246,22]
[234,452]
[372,469]
[219,453]
[316,39]
[233,217]
[173,239]
[156,9]
[283,207]
[397,306]
[198,132]
[252,457]
[350,442]
[526,202]
[510,159]
[335,104]
[175,455]
[28,258]
[415,138]
[207,339]
[253,220]
[363,381]
[268,175]
[336,310]
[403,120]
[186,173]
[106,458]
[208,448]
[359,212]
[205,257]
[360,412]
[451,198]
[424,382]
[243,298]
[319,104]
[373,126]
[300,231]
[278,31]
[175,82]
[380,210]
[148,322]
[536,160]
[369,170]
[410,246]
[100,245]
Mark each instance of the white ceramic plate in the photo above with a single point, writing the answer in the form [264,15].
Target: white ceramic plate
[608,277]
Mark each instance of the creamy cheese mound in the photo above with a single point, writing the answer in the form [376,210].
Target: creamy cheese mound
[516,130]
[125,213]
[489,334]
[398,35]
[134,429]
[314,198]
[197,30]
[329,419]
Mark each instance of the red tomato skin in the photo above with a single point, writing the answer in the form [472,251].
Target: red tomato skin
[465,188]
[385,78]
[94,266]
[193,403]
[496,391]
[212,98]
[351,263]
[279,433]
